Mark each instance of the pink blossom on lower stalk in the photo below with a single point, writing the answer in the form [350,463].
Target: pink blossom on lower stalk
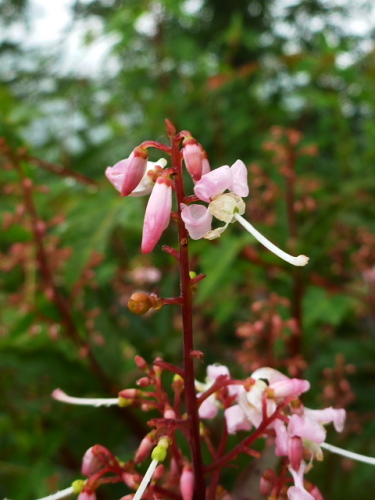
[158,213]
[298,491]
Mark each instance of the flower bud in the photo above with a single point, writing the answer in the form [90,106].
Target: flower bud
[158,213]
[159,472]
[134,170]
[169,413]
[139,303]
[143,382]
[90,463]
[145,447]
[295,452]
[140,362]
[187,483]
[267,482]
[192,153]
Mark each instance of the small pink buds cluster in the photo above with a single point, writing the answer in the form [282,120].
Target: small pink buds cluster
[269,401]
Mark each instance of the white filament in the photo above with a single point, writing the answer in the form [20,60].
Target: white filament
[146,479]
[59,494]
[60,395]
[348,454]
[301,260]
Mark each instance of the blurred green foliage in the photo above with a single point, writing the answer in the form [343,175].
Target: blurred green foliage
[228,72]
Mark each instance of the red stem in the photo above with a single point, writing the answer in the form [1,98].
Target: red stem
[247,441]
[187,319]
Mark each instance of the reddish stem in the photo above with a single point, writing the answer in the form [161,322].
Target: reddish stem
[187,319]
[247,441]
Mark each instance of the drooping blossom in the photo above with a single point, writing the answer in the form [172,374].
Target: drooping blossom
[152,181]
[298,491]
[227,207]
[117,173]
[158,213]
[128,173]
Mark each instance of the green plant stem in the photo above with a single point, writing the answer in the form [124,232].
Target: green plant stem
[188,343]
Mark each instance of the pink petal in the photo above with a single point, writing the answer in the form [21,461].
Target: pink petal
[134,170]
[214,371]
[291,387]
[197,220]
[115,174]
[327,416]
[236,420]
[239,184]
[307,428]
[269,374]
[158,213]
[213,183]
[281,438]
[295,493]
[208,408]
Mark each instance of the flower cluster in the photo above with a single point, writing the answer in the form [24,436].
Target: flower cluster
[222,188]
[269,401]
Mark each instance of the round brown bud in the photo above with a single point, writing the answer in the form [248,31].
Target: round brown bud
[139,303]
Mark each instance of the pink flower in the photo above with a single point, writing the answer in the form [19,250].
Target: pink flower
[90,463]
[298,491]
[116,176]
[236,419]
[209,407]
[127,174]
[307,428]
[197,220]
[328,415]
[157,214]
[227,207]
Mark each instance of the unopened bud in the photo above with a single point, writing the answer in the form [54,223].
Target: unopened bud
[143,382]
[295,452]
[145,447]
[141,362]
[193,157]
[169,413]
[159,472]
[139,303]
[267,482]
[178,383]
[90,463]
[187,483]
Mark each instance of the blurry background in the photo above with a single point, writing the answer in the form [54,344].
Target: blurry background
[288,87]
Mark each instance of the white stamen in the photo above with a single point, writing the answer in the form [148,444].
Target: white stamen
[59,494]
[348,454]
[60,395]
[146,479]
[301,260]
